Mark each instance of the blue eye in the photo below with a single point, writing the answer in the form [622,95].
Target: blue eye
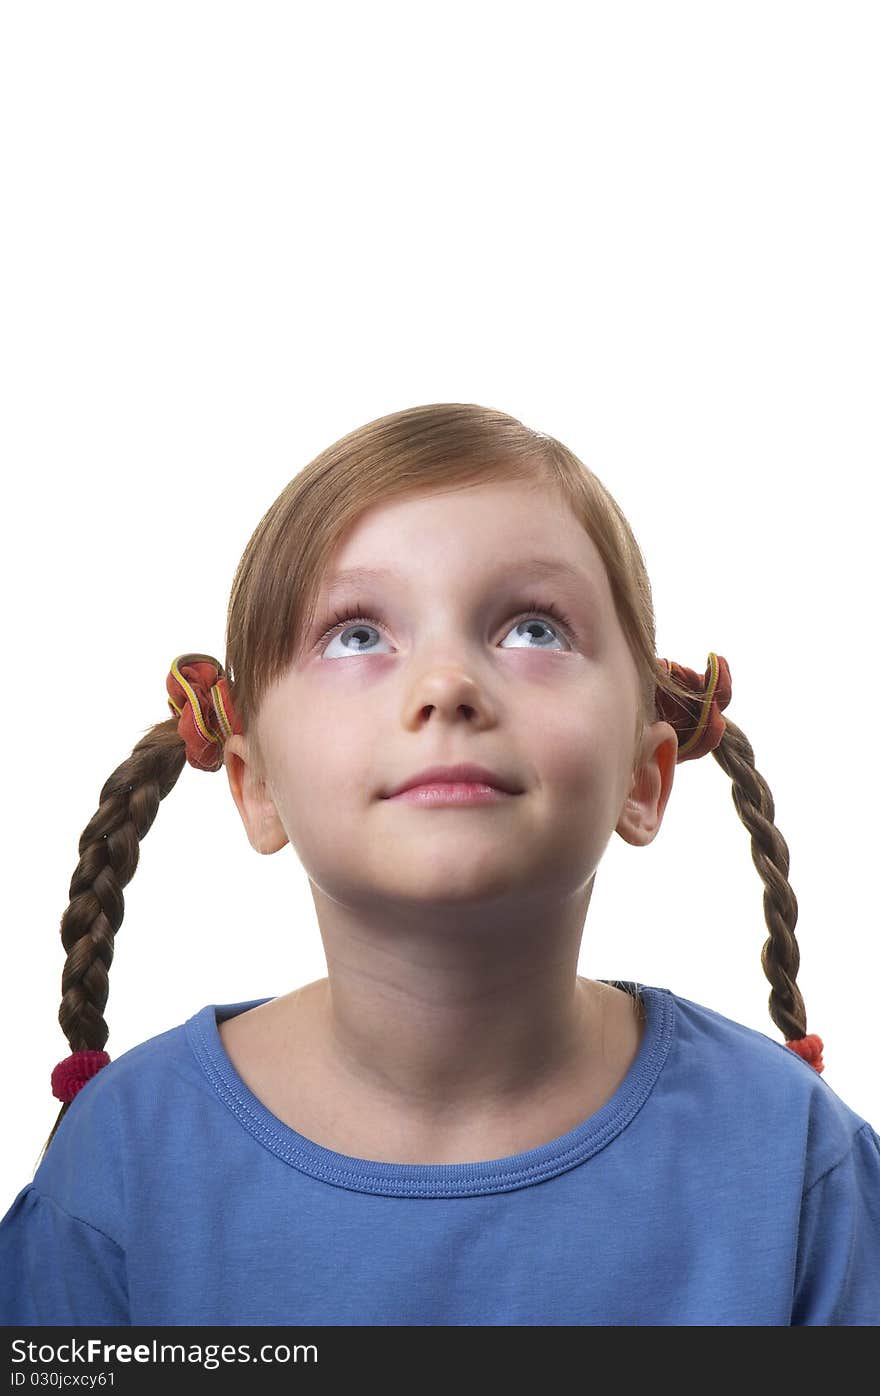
[535,611]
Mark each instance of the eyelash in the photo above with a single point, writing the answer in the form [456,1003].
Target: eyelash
[542,611]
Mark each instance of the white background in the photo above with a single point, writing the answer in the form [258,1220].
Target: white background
[233,233]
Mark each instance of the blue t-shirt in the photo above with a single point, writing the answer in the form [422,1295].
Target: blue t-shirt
[724,1182]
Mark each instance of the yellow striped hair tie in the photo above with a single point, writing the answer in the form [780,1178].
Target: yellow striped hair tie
[700,726]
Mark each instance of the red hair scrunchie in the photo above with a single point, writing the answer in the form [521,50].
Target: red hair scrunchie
[72,1074]
[810,1048]
[198,695]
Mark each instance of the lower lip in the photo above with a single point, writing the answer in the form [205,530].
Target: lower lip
[452,793]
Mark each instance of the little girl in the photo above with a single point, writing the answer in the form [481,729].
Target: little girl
[441,689]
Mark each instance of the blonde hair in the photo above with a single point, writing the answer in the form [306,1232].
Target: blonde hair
[271,605]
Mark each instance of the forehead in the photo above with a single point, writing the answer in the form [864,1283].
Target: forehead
[527,568]
[485,532]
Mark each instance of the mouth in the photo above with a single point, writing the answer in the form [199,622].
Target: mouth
[464,777]
[453,792]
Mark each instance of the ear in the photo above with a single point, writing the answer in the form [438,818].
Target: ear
[253,797]
[643,809]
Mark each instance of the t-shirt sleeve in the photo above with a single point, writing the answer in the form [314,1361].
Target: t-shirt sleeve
[838,1264]
[57,1269]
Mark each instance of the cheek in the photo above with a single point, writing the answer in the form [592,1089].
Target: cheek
[322,804]
[577,745]
[324,764]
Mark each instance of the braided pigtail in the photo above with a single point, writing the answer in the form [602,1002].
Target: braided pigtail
[780,955]
[701,729]
[109,849]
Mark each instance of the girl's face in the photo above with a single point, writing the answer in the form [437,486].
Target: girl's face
[452,653]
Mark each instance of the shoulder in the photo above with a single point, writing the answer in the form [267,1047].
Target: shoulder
[130,1079]
[113,1122]
[754,1085]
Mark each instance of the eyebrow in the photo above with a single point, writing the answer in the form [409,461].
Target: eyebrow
[532,567]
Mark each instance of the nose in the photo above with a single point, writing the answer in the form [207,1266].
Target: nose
[450,692]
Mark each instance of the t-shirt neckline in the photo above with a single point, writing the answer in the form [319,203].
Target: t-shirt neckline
[437,1179]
